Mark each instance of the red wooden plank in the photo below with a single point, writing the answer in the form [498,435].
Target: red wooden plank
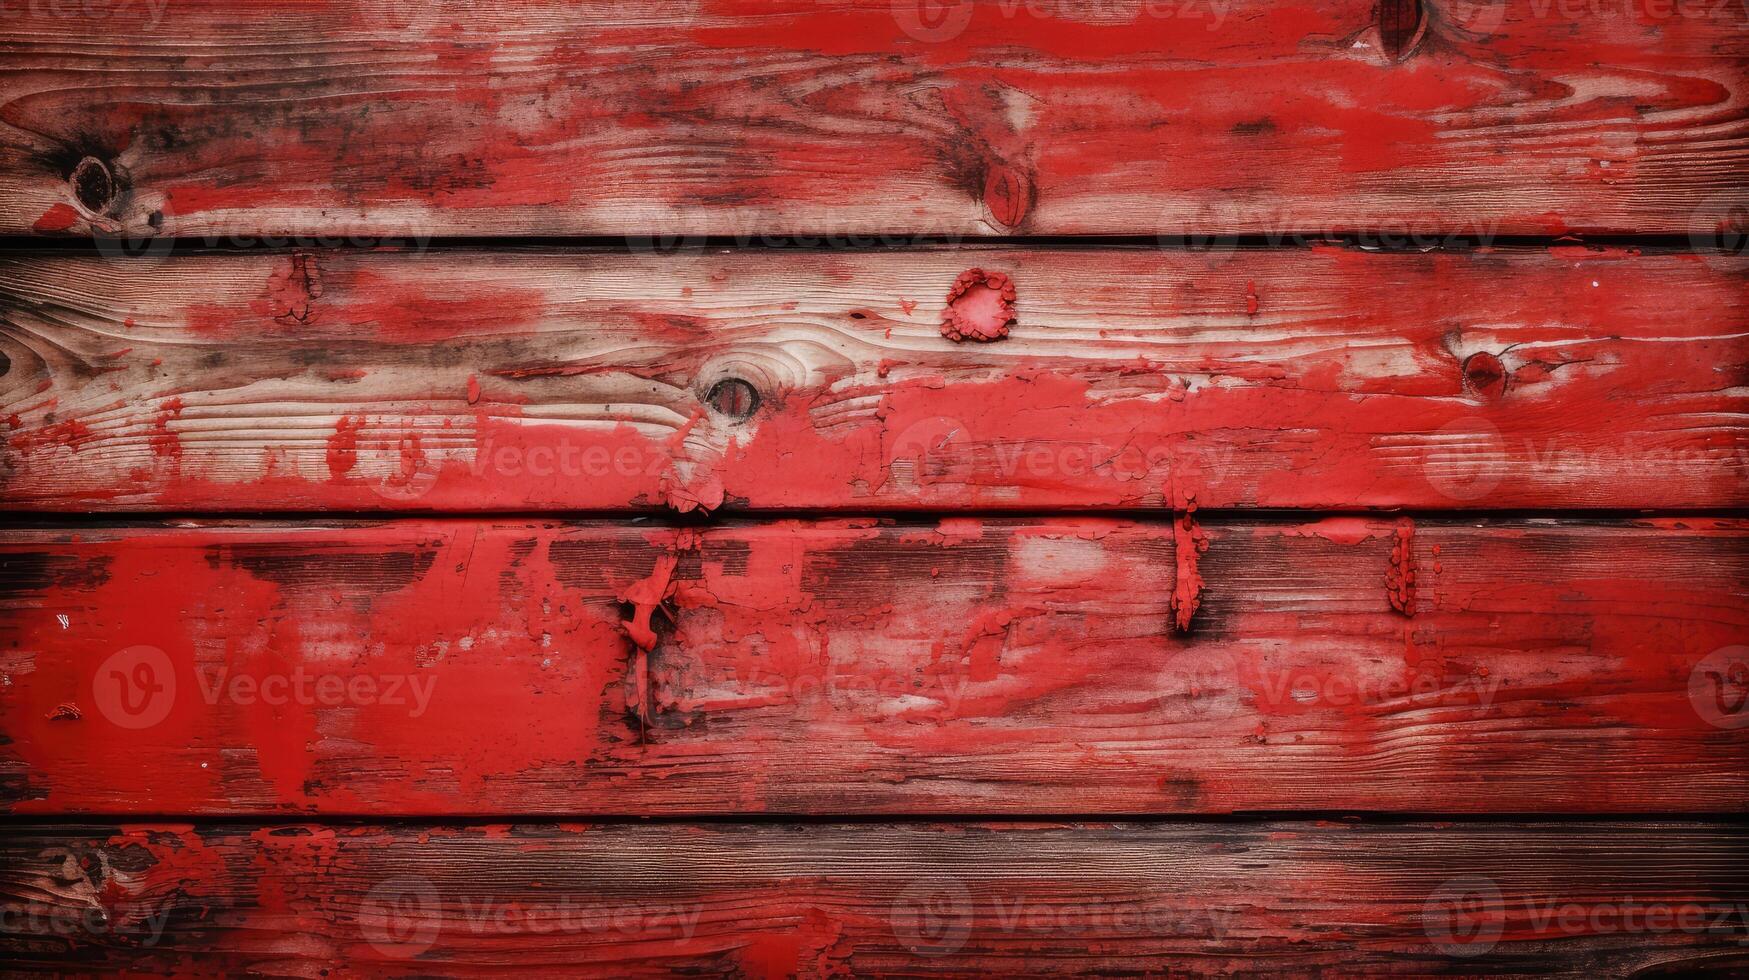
[514,667]
[542,380]
[1183,899]
[365,118]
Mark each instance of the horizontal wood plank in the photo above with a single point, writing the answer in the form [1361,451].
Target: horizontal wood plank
[630,117]
[1489,899]
[515,667]
[541,380]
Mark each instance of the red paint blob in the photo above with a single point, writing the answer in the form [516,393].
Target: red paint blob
[979,307]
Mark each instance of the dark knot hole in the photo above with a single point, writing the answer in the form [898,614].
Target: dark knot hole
[734,398]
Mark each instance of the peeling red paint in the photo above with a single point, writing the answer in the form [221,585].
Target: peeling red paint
[58,218]
[1400,579]
[343,446]
[644,596]
[1189,545]
[957,665]
[980,307]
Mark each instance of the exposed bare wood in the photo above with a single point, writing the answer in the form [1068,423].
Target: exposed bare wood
[369,118]
[541,380]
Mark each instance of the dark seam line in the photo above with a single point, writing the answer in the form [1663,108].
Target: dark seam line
[50,520]
[1347,818]
[1379,242]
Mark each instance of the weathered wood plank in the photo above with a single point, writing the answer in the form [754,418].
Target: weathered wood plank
[1489,899]
[539,380]
[490,668]
[630,117]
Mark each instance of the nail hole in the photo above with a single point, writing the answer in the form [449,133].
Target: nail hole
[1399,27]
[1485,375]
[734,398]
[93,185]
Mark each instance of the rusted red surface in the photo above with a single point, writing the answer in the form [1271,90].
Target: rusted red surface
[503,667]
[797,117]
[463,381]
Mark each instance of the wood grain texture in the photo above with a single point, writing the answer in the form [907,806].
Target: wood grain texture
[1488,899]
[461,381]
[496,668]
[634,117]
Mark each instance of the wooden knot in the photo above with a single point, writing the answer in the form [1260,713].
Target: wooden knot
[980,307]
[1007,196]
[1485,376]
[1400,23]
[94,186]
[733,398]
[5,364]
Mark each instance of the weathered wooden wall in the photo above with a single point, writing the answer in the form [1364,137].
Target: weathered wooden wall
[1172,488]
